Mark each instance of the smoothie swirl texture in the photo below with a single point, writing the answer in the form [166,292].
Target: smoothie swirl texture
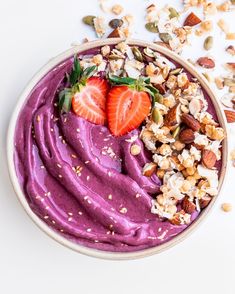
[83,182]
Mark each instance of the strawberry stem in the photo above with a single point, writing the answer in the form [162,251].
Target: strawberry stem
[141,84]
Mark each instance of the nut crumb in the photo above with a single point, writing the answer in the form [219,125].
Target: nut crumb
[226,207]
[117,9]
[135,149]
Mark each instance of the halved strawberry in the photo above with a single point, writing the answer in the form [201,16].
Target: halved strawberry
[126,109]
[90,101]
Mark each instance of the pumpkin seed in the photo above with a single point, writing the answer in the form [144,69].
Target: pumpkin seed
[208,43]
[138,55]
[158,98]
[156,115]
[176,71]
[165,37]
[115,23]
[115,57]
[148,52]
[152,27]
[89,20]
[173,13]
[148,55]
[176,132]
[229,82]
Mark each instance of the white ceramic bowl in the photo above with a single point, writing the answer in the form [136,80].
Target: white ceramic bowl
[10,150]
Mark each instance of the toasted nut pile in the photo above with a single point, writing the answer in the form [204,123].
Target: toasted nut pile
[185,142]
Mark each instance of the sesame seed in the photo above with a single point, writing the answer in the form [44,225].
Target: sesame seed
[109,174]
[52,116]
[73,156]
[52,130]
[159,230]
[110,226]
[78,130]
[96,241]
[80,213]
[46,216]
[70,213]
[70,219]
[89,201]
[86,197]
[42,166]
[110,196]
[37,197]
[88,178]
[88,230]
[53,222]
[47,194]
[42,199]
[47,207]
[64,142]
[38,118]
[60,176]
[137,195]
[108,232]
[61,230]
[58,165]
[123,210]
[86,162]
[112,233]
[65,119]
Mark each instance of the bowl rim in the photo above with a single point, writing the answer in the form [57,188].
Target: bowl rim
[10,150]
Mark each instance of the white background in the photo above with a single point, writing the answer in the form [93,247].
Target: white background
[30,262]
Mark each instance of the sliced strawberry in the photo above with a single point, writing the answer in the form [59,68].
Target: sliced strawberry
[126,109]
[90,102]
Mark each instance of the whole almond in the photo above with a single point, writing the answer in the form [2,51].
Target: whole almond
[208,158]
[172,118]
[191,122]
[149,169]
[187,136]
[231,66]
[187,205]
[206,62]
[116,33]
[230,115]
[192,20]
[204,201]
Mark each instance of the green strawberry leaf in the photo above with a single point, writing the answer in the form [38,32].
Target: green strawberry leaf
[76,72]
[89,71]
[65,100]
[121,80]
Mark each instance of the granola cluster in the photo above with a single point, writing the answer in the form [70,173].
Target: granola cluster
[182,135]
[185,142]
[175,29]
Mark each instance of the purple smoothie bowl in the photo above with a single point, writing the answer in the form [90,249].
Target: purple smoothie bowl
[77,211]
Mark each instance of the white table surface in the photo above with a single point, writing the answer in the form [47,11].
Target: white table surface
[30,262]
